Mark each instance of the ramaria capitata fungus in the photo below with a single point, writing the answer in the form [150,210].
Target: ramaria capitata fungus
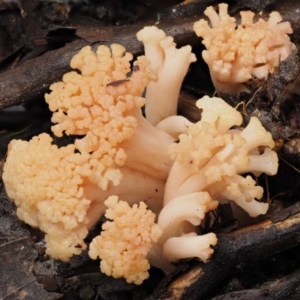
[118,153]
[236,52]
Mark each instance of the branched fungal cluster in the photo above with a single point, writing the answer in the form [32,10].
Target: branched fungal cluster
[155,177]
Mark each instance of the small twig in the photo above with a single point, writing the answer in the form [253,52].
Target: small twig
[294,168]
[267,190]
[252,98]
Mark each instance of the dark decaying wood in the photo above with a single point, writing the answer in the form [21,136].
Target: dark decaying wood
[234,250]
[32,79]
[279,289]
[17,258]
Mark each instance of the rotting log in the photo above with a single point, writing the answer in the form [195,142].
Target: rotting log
[276,290]
[33,78]
[234,250]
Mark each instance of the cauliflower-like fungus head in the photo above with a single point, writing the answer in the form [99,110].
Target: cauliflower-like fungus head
[210,157]
[45,182]
[126,240]
[98,102]
[236,52]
